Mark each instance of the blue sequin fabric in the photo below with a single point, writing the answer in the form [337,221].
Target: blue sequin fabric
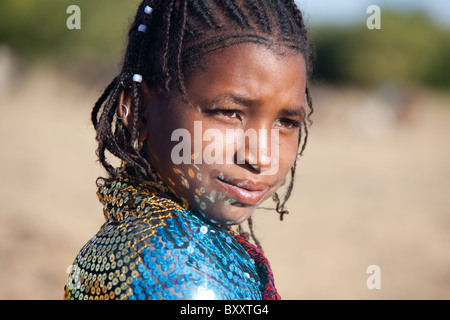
[153,247]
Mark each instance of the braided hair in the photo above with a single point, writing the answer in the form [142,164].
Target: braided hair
[169,36]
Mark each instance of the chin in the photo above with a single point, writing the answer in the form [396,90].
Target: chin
[228,214]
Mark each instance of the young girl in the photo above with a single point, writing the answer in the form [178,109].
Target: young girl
[208,118]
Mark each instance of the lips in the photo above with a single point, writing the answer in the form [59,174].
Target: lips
[244,191]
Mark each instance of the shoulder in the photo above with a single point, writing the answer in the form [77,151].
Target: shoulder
[107,263]
[173,256]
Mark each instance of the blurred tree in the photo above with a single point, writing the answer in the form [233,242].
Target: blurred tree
[37,29]
[409,49]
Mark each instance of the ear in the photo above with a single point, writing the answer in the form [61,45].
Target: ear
[125,109]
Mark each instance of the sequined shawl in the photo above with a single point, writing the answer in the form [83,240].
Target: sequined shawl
[152,246]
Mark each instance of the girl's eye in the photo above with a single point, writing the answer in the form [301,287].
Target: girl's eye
[288,123]
[227,113]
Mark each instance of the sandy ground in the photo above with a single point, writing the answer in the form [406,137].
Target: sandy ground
[372,189]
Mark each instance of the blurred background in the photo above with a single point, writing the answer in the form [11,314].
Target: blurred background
[373,187]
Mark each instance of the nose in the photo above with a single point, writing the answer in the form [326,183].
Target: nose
[259,149]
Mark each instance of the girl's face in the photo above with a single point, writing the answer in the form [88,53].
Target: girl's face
[232,146]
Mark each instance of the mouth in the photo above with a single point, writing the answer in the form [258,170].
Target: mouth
[246,192]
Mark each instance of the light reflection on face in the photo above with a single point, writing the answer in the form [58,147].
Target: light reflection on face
[245,86]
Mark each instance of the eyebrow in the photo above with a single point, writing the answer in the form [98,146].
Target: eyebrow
[297,112]
[247,102]
[235,98]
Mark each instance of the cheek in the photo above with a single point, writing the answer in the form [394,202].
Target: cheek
[179,163]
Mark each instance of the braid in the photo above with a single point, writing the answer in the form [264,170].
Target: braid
[179,40]
[234,11]
[165,57]
[310,104]
[298,18]
[303,32]
[190,30]
[204,11]
[280,15]
[136,102]
[101,100]
[261,11]
[178,33]
[252,233]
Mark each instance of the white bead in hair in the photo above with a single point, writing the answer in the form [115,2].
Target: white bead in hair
[148,10]
[137,78]
[142,28]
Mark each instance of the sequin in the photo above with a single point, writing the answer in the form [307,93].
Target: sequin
[160,260]
[204,229]
[156,272]
[166,293]
[169,245]
[146,274]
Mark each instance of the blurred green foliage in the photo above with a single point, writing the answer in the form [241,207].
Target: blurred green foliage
[409,48]
[37,30]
